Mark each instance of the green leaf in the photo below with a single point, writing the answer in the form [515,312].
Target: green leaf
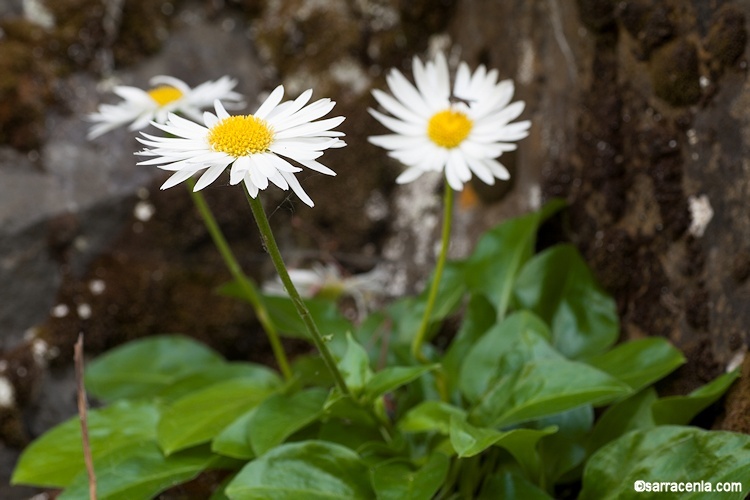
[355,366]
[510,485]
[633,413]
[670,454]
[311,370]
[469,441]
[565,450]
[407,313]
[348,433]
[680,410]
[430,416]
[398,479]
[281,415]
[503,351]
[233,440]
[346,408]
[500,254]
[558,286]
[478,318]
[641,362]
[313,470]
[284,315]
[144,367]
[140,471]
[56,457]
[325,312]
[200,416]
[544,388]
[389,379]
[216,373]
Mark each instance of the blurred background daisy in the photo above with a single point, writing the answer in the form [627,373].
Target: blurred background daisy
[167,95]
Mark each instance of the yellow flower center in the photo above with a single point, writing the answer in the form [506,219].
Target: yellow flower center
[448,128]
[164,95]
[241,135]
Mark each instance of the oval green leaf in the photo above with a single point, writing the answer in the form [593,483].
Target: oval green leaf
[281,415]
[503,351]
[559,287]
[544,388]
[400,480]
[640,362]
[680,410]
[313,470]
[670,454]
[144,367]
[57,456]
[139,471]
[202,415]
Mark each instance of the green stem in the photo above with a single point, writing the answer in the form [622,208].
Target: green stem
[248,287]
[416,345]
[273,250]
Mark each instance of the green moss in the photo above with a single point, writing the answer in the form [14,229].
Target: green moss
[597,15]
[32,58]
[675,73]
[648,22]
[727,37]
[142,29]
[26,76]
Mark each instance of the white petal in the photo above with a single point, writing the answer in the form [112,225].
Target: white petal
[318,167]
[398,126]
[239,169]
[209,176]
[170,81]
[463,79]
[481,170]
[221,113]
[178,177]
[270,103]
[309,113]
[407,94]
[428,84]
[278,180]
[443,77]
[409,175]
[310,128]
[283,165]
[453,180]
[297,188]
[397,109]
[256,174]
[210,119]
[497,169]
[457,163]
[395,141]
[290,107]
[265,164]
[252,189]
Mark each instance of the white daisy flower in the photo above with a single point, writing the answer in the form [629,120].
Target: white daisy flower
[167,95]
[258,147]
[460,132]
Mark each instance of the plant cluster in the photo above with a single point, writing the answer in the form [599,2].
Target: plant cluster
[531,393]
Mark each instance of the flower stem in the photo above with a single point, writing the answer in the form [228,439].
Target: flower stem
[248,287]
[273,250]
[416,345]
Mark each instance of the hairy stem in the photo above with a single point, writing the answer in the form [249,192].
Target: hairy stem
[273,250]
[416,345]
[249,289]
